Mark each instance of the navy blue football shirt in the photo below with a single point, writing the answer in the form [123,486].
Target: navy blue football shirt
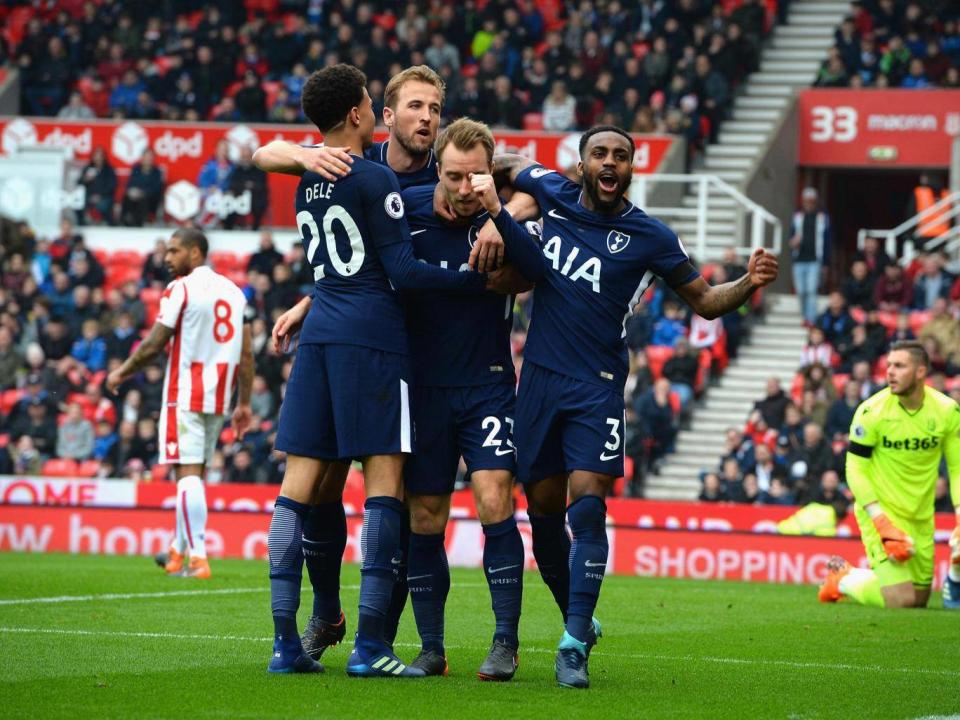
[456,340]
[356,239]
[427,175]
[593,270]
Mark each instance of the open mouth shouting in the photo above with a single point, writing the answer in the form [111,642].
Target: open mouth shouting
[608,181]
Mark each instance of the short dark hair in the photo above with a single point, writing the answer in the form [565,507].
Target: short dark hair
[916,350]
[603,128]
[191,237]
[330,93]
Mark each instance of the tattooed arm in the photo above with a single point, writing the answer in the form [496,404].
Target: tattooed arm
[159,335]
[713,301]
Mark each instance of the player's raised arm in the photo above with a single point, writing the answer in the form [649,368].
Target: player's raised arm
[289,158]
[488,250]
[522,248]
[713,301]
[506,167]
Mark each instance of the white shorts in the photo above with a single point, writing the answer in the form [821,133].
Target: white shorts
[188,438]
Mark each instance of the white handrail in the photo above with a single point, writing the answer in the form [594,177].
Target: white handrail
[922,221]
[761,218]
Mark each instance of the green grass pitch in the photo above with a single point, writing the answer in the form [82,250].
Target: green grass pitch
[190,649]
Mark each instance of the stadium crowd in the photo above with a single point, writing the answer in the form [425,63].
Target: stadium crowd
[890,43]
[792,447]
[647,66]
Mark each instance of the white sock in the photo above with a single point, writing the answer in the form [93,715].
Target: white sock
[180,537]
[195,518]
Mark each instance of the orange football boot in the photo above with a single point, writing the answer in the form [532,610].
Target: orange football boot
[198,568]
[837,568]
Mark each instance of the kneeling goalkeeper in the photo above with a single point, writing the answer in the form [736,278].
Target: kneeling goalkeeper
[896,440]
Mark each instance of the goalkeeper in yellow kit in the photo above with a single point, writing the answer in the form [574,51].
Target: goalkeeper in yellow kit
[896,440]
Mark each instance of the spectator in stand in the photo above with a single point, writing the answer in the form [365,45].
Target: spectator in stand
[38,423]
[932,283]
[833,71]
[874,256]
[792,429]
[859,349]
[668,329]
[100,184]
[503,108]
[125,94]
[818,379]
[76,109]
[251,100]
[944,328]
[242,470]
[858,287]
[75,435]
[11,359]
[731,475]
[681,370]
[841,413]
[773,407]
[779,493]
[942,502]
[812,459]
[895,61]
[215,173]
[750,491]
[916,76]
[658,423]
[121,338]
[104,441]
[817,349]
[739,448]
[266,258]
[248,178]
[902,330]
[894,291]
[559,109]
[155,271]
[144,191]
[765,470]
[713,490]
[836,321]
[90,350]
[810,249]
[25,457]
[862,374]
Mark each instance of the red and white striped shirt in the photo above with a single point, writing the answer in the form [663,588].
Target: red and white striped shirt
[205,311]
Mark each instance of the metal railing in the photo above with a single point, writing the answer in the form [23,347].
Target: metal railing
[763,229]
[923,222]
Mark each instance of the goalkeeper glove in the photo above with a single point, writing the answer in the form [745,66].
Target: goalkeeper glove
[897,544]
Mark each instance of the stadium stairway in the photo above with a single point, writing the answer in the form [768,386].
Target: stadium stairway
[789,62]
[773,350]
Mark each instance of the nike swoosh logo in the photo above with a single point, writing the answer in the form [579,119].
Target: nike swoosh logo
[500,451]
[395,561]
[604,457]
[593,564]
[494,571]
[417,232]
[553,213]
[418,577]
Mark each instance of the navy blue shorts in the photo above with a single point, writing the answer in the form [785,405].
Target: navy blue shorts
[473,422]
[346,401]
[565,424]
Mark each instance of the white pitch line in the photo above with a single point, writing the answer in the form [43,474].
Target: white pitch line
[545,651]
[171,593]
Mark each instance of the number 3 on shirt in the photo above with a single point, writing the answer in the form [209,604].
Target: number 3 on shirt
[347,267]
[223,329]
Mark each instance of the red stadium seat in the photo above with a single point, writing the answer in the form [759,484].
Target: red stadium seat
[796,388]
[238,277]
[119,275]
[224,262]
[4,439]
[160,473]
[102,256]
[840,381]
[704,363]
[60,467]
[888,320]
[130,258]
[9,398]
[657,355]
[880,369]
[858,315]
[533,121]
[675,403]
[88,468]
[151,301]
[228,435]
[919,318]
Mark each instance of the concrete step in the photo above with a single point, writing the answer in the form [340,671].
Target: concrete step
[728,163]
[714,201]
[731,150]
[751,115]
[733,177]
[765,103]
[793,55]
[801,42]
[670,492]
[783,78]
[790,66]
[713,228]
[743,126]
[819,19]
[779,90]
[741,138]
[824,31]
[820,6]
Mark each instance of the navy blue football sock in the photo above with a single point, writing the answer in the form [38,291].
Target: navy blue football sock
[429,581]
[551,550]
[380,544]
[398,599]
[588,561]
[503,566]
[286,564]
[324,540]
